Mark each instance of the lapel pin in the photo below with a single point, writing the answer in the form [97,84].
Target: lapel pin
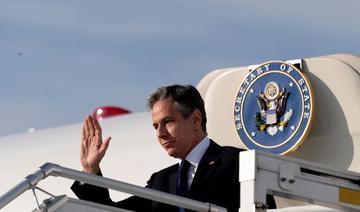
[211,163]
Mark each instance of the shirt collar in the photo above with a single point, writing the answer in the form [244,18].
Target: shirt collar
[198,151]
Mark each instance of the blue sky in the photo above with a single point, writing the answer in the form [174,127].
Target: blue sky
[62,59]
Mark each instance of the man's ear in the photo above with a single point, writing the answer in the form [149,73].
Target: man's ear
[197,119]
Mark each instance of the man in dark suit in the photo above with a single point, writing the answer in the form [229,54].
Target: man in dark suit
[207,172]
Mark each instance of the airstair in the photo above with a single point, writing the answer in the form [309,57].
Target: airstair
[64,203]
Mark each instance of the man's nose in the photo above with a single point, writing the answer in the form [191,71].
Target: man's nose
[161,131]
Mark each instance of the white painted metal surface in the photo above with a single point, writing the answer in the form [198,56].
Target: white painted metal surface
[309,181]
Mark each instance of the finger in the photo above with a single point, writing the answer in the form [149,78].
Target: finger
[83,148]
[107,140]
[98,131]
[104,146]
[86,127]
[83,131]
[85,141]
[89,134]
[91,126]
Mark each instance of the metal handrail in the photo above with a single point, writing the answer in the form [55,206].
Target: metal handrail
[56,170]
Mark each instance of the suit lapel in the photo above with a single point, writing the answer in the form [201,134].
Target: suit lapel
[173,180]
[207,164]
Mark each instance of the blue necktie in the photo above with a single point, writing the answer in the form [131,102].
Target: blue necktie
[182,185]
[182,181]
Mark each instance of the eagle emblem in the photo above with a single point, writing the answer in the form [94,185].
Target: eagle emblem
[272,104]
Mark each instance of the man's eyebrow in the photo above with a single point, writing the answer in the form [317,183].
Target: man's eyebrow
[164,119]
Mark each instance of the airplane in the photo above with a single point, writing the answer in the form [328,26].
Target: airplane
[330,133]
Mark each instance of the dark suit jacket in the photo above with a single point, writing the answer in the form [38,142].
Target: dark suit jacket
[216,181]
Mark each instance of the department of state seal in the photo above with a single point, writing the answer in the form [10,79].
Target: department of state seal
[274,108]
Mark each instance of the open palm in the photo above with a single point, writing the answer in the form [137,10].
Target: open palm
[92,148]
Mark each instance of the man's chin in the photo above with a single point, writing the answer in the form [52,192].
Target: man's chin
[173,153]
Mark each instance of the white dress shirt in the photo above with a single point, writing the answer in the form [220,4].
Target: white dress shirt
[194,158]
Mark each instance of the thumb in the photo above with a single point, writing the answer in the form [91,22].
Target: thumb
[105,145]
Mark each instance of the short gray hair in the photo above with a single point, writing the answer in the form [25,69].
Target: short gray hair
[186,97]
